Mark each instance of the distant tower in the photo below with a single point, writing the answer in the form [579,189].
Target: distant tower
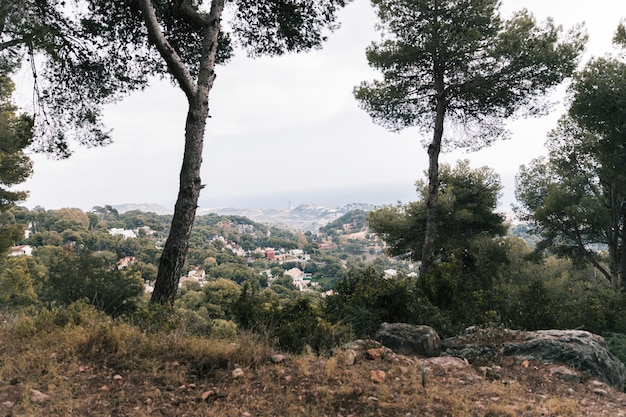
[289,205]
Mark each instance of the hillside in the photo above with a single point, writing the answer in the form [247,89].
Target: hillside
[94,367]
[305,217]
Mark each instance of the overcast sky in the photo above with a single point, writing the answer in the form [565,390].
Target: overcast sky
[288,131]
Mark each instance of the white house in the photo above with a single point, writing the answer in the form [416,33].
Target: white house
[21,250]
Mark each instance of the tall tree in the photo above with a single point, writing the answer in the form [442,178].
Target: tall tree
[577,196]
[190,40]
[456,63]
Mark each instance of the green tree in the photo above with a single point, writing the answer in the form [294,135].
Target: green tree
[466,211]
[457,63]
[88,275]
[16,286]
[16,134]
[190,39]
[576,198]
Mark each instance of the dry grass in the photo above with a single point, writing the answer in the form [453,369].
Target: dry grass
[96,367]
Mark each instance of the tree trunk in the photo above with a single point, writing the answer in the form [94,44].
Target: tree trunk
[434,149]
[177,244]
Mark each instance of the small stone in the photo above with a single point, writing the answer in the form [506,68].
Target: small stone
[288,378]
[375,353]
[246,414]
[565,373]
[349,357]
[378,376]
[53,355]
[8,404]
[207,394]
[238,373]
[104,388]
[117,377]
[601,392]
[175,363]
[278,358]
[38,396]
[192,386]
[525,363]
[82,368]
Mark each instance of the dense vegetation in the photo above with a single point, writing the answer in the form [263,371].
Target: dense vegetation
[77,257]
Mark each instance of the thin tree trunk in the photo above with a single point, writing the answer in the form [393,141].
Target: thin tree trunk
[434,149]
[177,244]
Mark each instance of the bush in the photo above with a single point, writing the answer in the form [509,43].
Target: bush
[365,298]
[74,277]
[616,343]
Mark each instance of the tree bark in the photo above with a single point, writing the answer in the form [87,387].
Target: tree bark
[177,244]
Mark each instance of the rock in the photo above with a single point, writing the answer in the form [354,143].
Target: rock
[447,363]
[237,373]
[565,373]
[378,376]
[38,396]
[348,357]
[207,394]
[409,339]
[278,358]
[575,348]
[8,404]
[117,377]
[375,353]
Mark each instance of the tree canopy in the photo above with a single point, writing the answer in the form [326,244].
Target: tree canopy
[577,196]
[468,199]
[456,69]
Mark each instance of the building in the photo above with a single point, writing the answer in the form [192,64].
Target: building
[21,250]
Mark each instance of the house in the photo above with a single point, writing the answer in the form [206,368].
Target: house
[195,275]
[21,250]
[123,232]
[126,262]
[297,277]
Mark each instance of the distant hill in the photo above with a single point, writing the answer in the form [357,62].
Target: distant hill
[304,217]
[146,208]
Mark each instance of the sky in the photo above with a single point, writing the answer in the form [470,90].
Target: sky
[287,131]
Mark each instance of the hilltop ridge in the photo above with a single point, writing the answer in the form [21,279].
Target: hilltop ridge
[306,217]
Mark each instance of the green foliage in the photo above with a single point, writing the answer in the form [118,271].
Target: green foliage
[480,67]
[575,196]
[16,286]
[616,342]
[357,219]
[467,200]
[365,298]
[73,277]
[16,134]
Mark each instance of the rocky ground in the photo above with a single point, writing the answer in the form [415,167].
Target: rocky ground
[378,384]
